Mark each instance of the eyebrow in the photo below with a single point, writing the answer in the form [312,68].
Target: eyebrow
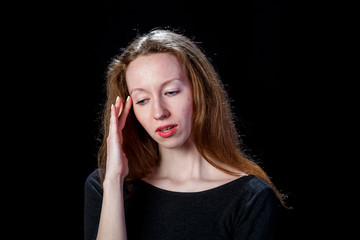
[162,85]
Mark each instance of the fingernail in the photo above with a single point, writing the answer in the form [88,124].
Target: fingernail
[112,106]
[117,98]
[127,99]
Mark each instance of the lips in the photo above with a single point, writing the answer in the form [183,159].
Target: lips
[167,130]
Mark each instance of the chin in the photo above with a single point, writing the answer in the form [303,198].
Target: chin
[173,143]
[170,144]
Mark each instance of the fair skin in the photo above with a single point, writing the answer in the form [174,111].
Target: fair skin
[112,218]
[161,96]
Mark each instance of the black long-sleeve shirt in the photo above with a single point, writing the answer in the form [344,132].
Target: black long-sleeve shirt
[244,209]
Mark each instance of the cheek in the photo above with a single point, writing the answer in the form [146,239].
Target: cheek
[189,103]
[187,109]
[141,116]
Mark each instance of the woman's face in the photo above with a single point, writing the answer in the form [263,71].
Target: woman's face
[162,98]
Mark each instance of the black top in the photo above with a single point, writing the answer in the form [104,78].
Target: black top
[241,209]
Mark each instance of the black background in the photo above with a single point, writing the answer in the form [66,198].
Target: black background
[286,67]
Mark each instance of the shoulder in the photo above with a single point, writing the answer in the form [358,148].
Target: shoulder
[92,183]
[255,210]
[250,190]
[257,193]
[92,204]
[93,187]
[255,186]
[93,177]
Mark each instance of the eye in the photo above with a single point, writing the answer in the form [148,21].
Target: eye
[172,93]
[142,102]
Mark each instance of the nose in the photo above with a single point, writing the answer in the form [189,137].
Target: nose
[160,111]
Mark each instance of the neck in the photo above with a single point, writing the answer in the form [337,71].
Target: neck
[180,164]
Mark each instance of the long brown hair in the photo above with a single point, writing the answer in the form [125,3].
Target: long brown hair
[213,128]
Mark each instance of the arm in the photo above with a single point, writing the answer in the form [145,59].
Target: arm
[112,219]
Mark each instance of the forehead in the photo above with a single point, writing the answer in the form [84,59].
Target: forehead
[153,69]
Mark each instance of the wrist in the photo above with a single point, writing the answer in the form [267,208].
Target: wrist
[112,181]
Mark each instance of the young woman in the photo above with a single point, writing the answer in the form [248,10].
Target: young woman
[170,165]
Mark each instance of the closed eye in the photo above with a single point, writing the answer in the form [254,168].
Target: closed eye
[142,102]
[172,93]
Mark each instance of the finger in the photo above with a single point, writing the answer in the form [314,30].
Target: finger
[118,106]
[113,120]
[125,112]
